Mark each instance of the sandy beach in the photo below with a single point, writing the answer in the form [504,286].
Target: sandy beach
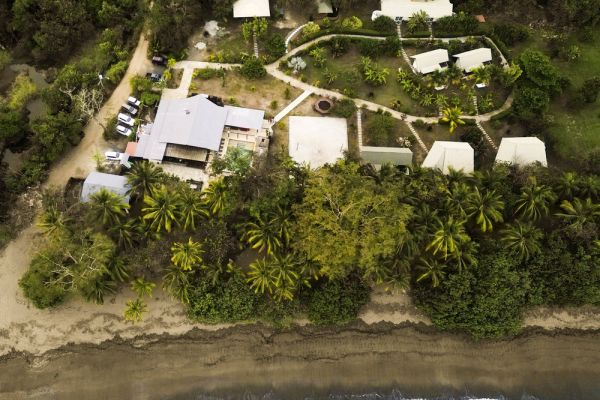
[307,361]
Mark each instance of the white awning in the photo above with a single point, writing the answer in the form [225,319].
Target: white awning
[251,8]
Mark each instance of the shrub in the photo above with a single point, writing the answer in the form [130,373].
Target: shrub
[110,129]
[530,102]
[150,99]
[228,301]
[344,108]
[37,283]
[116,72]
[310,29]
[384,24]
[337,302]
[253,68]
[275,46]
[5,59]
[590,90]
[485,301]
[380,129]
[273,105]
[339,46]
[510,33]
[205,73]
[22,90]
[352,23]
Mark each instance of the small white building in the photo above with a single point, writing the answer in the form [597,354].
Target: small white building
[317,141]
[469,60]
[97,181]
[522,151]
[403,9]
[446,155]
[434,60]
[251,8]
[379,156]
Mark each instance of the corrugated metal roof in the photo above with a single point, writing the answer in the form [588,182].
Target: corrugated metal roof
[386,155]
[405,8]
[522,151]
[430,61]
[99,180]
[455,155]
[195,121]
[251,8]
[472,59]
[247,118]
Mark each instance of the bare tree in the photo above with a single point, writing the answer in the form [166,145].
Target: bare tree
[87,102]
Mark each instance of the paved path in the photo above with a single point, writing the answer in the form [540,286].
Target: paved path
[78,162]
[291,106]
[359,129]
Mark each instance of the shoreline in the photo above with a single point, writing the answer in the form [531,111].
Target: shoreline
[231,362]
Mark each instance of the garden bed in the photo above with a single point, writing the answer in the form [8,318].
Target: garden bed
[268,93]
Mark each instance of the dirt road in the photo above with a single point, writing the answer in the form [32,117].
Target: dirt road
[79,162]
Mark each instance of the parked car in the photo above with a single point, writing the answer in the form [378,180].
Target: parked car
[112,155]
[154,76]
[159,60]
[133,101]
[123,130]
[130,109]
[125,119]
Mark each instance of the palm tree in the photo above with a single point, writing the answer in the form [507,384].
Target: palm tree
[578,212]
[162,209]
[216,196]
[281,219]
[567,185]
[187,255]
[448,235]
[53,222]
[589,186]
[97,289]
[284,270]
[417,21]
[457,197]
[482,75]
[465,255]
[261,276]
[263,235]
[432,270]
[142,287]
[107,207]
[452,116]
[486,208]
[118,270]
[143,178]
[126,233]
[176,282]
[427,99]
[535,201]
[135,310]
[523,239]
[192,208]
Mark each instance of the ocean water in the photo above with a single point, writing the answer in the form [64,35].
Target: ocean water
[393,395]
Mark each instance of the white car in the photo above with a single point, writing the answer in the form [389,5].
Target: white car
[123,130]
[112,155]
[130,109]
[125,119]
[133,101]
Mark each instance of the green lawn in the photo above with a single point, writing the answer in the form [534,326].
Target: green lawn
[573,131]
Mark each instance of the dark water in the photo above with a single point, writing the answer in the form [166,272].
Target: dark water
[383,395]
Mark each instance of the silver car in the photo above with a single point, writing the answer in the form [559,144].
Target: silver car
[130,109]
[125,119]
[124,130]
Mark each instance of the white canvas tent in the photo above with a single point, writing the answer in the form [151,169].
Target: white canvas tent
[430,61]
[522,151]
[397,9]
[455,155]
[251,8]
[97,181]
[317,141]
[324,6]
[469,60]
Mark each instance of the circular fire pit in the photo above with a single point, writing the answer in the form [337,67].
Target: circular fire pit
[323,106]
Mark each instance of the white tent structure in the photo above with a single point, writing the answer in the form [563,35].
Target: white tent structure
[403,9]
[522,151]
[430,61]
[324,6]
[455,155]
[251,8]
[317,141]
[469,60]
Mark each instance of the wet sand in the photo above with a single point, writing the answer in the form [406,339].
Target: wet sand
[311,361]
